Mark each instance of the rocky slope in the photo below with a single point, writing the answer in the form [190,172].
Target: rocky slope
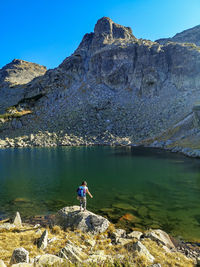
[114,89]
[86,239]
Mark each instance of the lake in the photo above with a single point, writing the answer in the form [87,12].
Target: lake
[136,188]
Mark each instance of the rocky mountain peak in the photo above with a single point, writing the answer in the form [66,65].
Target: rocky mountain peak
[20,72]
[105,32]
[107,28]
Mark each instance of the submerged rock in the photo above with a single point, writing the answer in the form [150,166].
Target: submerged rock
[130,217]
[71,217]
[123,206]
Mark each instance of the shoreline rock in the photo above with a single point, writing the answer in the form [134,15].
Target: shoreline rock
[73,218]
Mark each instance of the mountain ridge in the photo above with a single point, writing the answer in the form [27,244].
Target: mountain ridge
[113,89]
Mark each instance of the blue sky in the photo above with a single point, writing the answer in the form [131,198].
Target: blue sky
[47,31]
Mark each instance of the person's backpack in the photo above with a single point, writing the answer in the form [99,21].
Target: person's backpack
[81,191]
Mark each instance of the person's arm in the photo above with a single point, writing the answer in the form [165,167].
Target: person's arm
[89,193]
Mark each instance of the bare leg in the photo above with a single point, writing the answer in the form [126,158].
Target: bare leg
[84,203]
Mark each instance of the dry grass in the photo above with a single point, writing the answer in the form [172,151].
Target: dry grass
[167,259]
[26,237]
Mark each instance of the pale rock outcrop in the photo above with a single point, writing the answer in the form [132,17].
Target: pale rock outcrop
[72,253]
[118,236]
[2,264]
[49,260]
[17,221]
[71,217]
[90,242]
[7,226]
[135,234]
[160,237]
[141,249]
[23,264]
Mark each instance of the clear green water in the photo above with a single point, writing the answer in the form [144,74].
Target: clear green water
[158,188]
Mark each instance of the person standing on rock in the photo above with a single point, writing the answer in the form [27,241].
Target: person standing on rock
[82,191]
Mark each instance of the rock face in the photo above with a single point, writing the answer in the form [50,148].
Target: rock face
[71,217]
[113,87]
[13,77]
[20,72]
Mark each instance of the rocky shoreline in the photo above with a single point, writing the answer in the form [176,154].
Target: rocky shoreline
[86,239]
[47,139]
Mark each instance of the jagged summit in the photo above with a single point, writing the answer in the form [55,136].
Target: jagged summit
[107,28]
[105,32]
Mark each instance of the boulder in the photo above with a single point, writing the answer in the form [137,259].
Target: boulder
[2,264]
[19,255]
[198,261]
[90,242]
[161,237]
[23,264]
[17,221]
[7,226]
[141,249]
[50,260]
[72,254]
[43,240]
[118,233]
[135,234]
[71,217]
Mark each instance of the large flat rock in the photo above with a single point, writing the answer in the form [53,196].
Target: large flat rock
[71,217]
